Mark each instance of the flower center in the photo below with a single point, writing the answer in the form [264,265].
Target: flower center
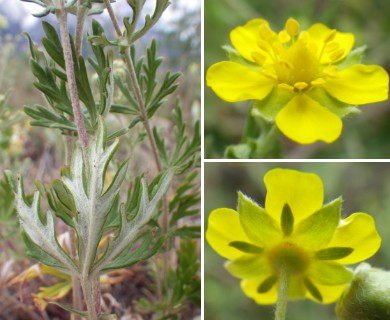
[297,66]
[290,256]
[293,59]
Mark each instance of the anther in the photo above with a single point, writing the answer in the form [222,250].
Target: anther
[318,82]
[330,36]
[284,37]
[332,46]
[263,45]
[331,71]
[286,64]
[292,27]
[337,54]
[259,57]
[270,74]
[278,48]
[285,86]
[300,85]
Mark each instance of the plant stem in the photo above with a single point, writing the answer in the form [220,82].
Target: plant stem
[145,120]
[91,296]
[82,12]
[74,98]
[136,88]
[65,40]
[267,144]
[281,304]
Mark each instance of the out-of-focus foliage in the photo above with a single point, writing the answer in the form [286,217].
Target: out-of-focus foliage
[365,136]
[364,187]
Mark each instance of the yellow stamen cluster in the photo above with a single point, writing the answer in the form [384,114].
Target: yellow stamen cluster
[294,59]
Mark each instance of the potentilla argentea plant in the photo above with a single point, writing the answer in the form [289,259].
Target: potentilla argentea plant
[108,230]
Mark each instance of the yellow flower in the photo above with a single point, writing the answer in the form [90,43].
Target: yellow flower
[294,231]
[304,81]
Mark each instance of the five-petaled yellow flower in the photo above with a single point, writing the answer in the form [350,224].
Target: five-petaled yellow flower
[294,231]
[304,81]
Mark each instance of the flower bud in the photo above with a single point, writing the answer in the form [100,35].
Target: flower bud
[367,297]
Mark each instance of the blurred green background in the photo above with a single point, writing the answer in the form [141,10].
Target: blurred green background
[365,187]
[365,135]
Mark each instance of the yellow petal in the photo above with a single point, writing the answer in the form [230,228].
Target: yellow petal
[328,273]
[250,286]
[320,32]
[260,227]
[224,227]
[244,38]
[358,232]
[249,266]
[303,192]
[329,293]
[305,121]
[234,82]
[359,84]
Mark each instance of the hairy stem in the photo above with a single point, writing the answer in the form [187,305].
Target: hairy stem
[281,304]
[91,292]
[69,143]
[82,12]
[65,40]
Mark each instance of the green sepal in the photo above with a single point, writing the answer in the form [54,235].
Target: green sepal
[267,284]
[333,253]
[239,151]
[246,247]
[354,57]
[259,226]
[235,56]
[312,289]
[334,105]
[270,106]
[287,220]
[318,229]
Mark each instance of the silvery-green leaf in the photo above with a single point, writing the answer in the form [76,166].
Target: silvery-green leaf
[92,201]
[41,231]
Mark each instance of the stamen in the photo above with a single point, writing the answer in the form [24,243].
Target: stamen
[284,37]
[278,48]
[265,32]
[332,46]
[318,82]
[270,74]
[263,45]
[330,36]
[292,27]
[285,86]
[286,64]
[300,85]
[259,57]
[337,54]
[331,71]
